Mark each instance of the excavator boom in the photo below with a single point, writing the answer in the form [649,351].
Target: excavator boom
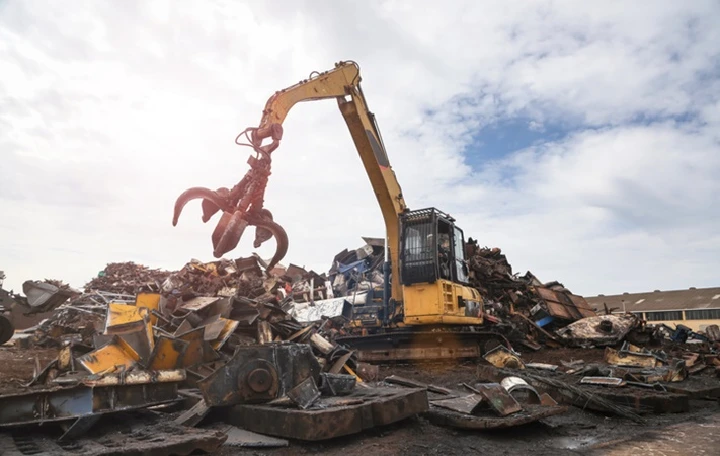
[427,307]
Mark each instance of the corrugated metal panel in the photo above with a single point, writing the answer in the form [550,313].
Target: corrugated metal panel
[564,305]
[582,306]
[555,307]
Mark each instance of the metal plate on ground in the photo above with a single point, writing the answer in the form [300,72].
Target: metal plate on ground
[326,420]
[465,404]
[243,438]
[488,420]
[117,438]
[498,398]
[56,404]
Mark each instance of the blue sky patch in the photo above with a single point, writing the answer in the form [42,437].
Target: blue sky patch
[498,140]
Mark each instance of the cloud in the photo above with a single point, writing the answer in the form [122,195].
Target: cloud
[110,110]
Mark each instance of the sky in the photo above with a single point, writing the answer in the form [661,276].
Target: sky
[582,138]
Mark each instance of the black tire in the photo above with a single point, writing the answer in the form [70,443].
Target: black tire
[6,330]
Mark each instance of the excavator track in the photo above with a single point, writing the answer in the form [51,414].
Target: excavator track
[398,346]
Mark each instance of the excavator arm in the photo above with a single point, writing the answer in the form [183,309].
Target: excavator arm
[242,205]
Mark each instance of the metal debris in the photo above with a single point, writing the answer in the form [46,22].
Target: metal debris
[469,404]
[305,393]
[599,331]
[332,417]
[502,357]
[111,393]
[498,398]
[521,390]
[257,374]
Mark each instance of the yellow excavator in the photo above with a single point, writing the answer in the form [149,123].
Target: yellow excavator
[426,310]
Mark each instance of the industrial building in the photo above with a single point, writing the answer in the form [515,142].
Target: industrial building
[695,308]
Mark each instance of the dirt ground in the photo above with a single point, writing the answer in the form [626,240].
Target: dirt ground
[575,432]
[16,366]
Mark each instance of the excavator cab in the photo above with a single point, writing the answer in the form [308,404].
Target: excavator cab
[432,248]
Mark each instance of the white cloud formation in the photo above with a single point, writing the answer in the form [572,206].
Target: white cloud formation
[109,110]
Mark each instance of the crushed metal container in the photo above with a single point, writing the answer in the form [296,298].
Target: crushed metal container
[44,297]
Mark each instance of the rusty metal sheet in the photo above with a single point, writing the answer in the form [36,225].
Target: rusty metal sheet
[546,399]
[199,303]
[194,415]
[554,306]
[168,353]
[368,372]
[487,421]
[465,404]
[242,438]
[337,384]
[397,380]
[116,438]
[305,393]
[332,417]
[498,398]
[582,306]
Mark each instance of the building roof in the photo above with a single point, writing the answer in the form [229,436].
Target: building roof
[692,298]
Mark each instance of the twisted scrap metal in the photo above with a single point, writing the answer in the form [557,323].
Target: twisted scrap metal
[242,205]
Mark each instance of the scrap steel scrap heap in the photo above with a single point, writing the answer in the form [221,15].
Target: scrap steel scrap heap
[230,353]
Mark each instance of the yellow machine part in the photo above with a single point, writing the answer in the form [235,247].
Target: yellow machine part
[120,314]
[437,303]
[116,355]
[150,301]
[124,319]
[194,352]
[168,353]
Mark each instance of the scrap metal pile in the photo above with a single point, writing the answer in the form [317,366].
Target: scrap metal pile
[626,380]
[546,304]
[126,278]
[211,352]
[258,348]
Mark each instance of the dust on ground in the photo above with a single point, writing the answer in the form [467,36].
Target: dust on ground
[16,365]
[573,433]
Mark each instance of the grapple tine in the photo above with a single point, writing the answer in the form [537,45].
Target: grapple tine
[281,238]
[209,208]
[228,232]
[262,234]
[243,205]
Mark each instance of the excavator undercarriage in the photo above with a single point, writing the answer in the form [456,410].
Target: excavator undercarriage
[410,345]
